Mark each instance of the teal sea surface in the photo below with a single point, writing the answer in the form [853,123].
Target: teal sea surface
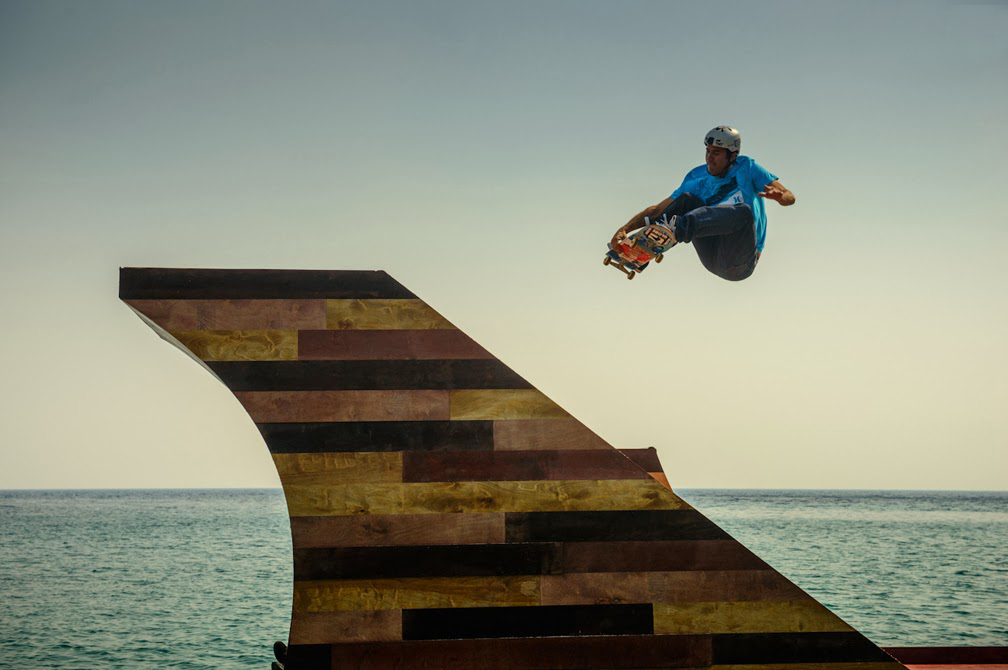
[202,578]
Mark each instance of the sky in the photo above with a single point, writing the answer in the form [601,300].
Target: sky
[483,153]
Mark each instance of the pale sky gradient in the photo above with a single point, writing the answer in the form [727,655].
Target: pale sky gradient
[483,153]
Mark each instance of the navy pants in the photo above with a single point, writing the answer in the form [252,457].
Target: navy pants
[724,236]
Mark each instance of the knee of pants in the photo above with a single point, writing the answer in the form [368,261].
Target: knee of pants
[738,273]
[683,203]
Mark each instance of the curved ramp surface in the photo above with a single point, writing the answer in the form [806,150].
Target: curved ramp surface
[446,514]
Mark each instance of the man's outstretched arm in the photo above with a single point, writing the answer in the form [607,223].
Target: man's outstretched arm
[776,191]
[637,221]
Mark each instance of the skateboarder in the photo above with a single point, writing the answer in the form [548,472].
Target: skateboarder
[719,207]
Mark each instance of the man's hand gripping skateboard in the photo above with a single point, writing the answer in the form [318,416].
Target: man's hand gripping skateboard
[630,254]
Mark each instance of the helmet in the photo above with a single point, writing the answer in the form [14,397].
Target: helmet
[724,136]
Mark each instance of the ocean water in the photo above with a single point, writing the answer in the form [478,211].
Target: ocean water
[202,579]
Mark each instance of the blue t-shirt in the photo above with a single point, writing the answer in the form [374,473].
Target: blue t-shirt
[744,180]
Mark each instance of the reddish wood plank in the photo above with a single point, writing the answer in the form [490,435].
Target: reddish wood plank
[957,666]
[659,556]
[545,434]
[647,459]
[667,587]
[308,406]
[597,588]
[661,479]
[381,530]
[349,345]
[233,314]
[342,627]
[715,585]
[949,655]
[448,466]
[615,652]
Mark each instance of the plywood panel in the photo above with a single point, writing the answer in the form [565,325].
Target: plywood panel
[756,648]
[727,585]
[746,617]
[338,468]
[385,594]
[348,345]
[381,530]
[199,284]
[383,315]
[518,466]
[233,314]
[498,622]
[551,434]
[682,523]
[813,666]
[342,627]
[460,560]
[616,652]
[504,404]
[595,588]
[365,375]
[451,497]
[240,345]
[661,479]
[377,436]
[667,587]
[306,406]
[309,656]
[972,655]
[659,556]
[646,459]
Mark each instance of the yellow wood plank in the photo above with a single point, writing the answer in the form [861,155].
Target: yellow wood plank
[383,315]
[414,593]
[338,468]
[494,404]
[455,497]
[240,345]
[746,617]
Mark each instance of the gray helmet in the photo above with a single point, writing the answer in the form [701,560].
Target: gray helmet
[724,136]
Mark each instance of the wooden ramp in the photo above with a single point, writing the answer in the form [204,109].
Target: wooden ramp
[446,514]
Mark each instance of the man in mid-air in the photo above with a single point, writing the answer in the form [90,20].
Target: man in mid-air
[719,207]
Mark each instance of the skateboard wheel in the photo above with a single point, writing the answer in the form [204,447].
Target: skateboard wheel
[658,258]
[630,275]
[633,243]
[606,261]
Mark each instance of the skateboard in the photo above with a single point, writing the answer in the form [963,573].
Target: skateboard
[632,254]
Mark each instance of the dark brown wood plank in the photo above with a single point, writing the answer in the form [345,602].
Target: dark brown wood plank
[309,657]
[348,345]
[760,648]
[497,622]
[350,626]
[549,434]
[204,284]
[382,530]
[518,466]
[679,524]
[366,375]
[460,560]
[312,437]
[329,406]
[562,653]
[659,556]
